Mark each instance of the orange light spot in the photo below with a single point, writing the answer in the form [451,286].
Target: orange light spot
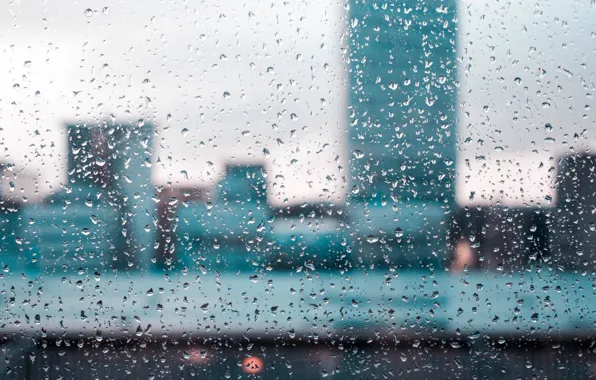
[252,364]
[464,256]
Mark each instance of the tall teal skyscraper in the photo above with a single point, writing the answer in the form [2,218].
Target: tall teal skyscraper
[402,124]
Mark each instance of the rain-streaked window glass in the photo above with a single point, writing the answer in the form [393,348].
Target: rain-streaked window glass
[297,189]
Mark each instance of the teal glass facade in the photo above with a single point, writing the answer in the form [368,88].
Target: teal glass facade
[103,215]
[402,129]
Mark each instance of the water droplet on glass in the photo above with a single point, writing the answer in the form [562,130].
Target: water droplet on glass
[358,154]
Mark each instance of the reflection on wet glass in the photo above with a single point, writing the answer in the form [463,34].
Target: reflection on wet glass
[278,190]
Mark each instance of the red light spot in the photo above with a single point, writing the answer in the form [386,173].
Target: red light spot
[252,364]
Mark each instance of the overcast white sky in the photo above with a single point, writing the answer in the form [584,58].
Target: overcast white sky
[550,47]
[60,62]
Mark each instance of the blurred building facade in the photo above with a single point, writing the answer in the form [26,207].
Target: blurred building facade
[230,232]
[402,130]
[103,216]
[500,238]
[512,239]
[237,229]
[573,219]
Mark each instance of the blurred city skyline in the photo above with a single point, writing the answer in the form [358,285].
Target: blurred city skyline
[271,86]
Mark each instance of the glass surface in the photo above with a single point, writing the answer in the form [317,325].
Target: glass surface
[251,189]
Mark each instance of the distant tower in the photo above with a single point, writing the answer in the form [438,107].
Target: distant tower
[232,232]
[244,182]
[9,221]
[402,126]
[573,219]
[118,158]
[103,217]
